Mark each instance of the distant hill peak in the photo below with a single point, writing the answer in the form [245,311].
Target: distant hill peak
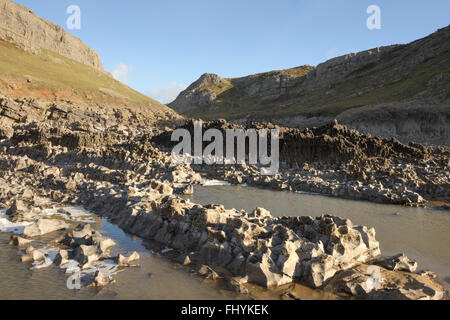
[379,75]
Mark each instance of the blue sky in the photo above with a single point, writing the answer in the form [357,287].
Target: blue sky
[159,47]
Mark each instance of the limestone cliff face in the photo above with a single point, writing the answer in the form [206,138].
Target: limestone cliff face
[20,25]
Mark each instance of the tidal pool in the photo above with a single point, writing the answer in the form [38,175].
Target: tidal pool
[421,233]
[155,279]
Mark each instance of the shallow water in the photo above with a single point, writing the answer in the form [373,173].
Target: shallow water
[156,278]
[423,234]
[420,233]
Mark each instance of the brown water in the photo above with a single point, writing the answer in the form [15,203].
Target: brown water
[420,233]
[156,278]
[423,234]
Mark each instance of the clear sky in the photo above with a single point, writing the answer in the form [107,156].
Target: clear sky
[159,47]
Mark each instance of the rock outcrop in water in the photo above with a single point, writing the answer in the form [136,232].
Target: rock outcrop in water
[118,172]
[269,251]
[58,156]
[337,161]
[83,253]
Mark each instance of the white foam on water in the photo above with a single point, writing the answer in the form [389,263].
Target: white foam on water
[74,214]
[50,255]
[213,183]
[12,227]
[107,267]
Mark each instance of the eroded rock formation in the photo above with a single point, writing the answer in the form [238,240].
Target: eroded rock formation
[337,161]
[119,173]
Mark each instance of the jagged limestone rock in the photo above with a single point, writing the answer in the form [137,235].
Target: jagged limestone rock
[43,227]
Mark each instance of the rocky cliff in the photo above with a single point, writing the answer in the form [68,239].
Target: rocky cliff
[20,25]
[108,164]
[42,63]
[400,91]
[314,160]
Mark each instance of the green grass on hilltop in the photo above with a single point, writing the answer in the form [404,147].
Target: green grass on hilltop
[368,86]
[54,72]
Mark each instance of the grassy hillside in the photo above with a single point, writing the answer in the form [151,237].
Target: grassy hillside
[51,76]
[419,71]
[365,87]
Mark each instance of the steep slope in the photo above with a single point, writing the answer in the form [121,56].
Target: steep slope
[33,33]
[215,95]
[40,60]
[396,81]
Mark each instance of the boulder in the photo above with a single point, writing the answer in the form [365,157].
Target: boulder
[86,236]
[86,255]
[211,216]
[62,257]
[28,256]
[82,231]
[399,262]
[375,282]
[81,235]
[266,274]
[19,241]
[184,260]
[356,283]
[261,213]
[19,212]
[236,284]
[101,280]
[37,255]
[208,273]
[174,208]
[104,245]
[43,227]
[188,190]
[161,187]
[130,261]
